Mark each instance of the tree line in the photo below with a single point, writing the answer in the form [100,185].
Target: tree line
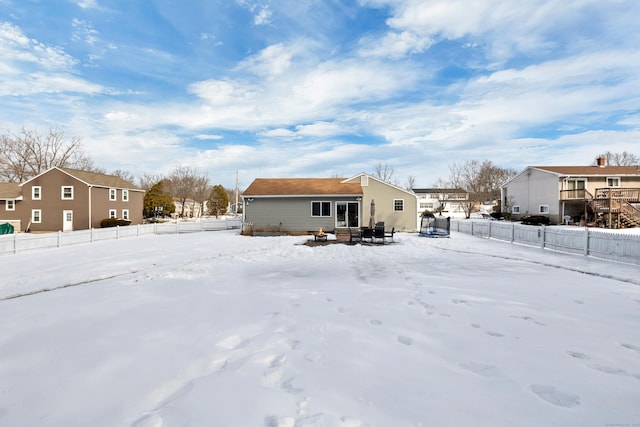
[28,153]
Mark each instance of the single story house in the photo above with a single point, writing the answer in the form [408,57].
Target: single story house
[303,205]
[605,195]
[62,199]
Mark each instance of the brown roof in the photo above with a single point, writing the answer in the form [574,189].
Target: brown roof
[591,170]
[100,180]
[301,187]
[10,190]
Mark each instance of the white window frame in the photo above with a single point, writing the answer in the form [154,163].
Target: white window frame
[62,195]
[613,178]
[125,214]
[113,213]
[515,209]
[125,195]
[36,189]
[322,203]
[398,203]
[113,194]
[543,209]
[36,216]
[10,205]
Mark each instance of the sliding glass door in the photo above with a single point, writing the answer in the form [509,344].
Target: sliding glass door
[347,214]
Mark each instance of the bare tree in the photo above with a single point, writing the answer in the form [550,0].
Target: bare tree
[30,153]
[482,180]
[149,180]
[411,182]
[182,182]
[443,194]
[619,159]
[125,175]
[201,190]
[384,172]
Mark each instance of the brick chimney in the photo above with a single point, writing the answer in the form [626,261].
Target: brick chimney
[601,161]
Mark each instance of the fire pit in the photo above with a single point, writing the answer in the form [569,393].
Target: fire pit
[320,236]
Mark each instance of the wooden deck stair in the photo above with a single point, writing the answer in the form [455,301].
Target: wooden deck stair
[614,206]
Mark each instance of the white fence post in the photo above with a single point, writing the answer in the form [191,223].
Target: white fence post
[15,243]
[513,232]
[59,238]
[586,241]
[489,229]
[543,236]
[117,232]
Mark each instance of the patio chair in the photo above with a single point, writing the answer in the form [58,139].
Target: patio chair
[367,233]
[378,233]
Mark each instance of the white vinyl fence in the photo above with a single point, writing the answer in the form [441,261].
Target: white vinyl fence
[22,242]
[575,240]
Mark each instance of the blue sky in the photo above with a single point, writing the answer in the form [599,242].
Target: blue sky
[327,88]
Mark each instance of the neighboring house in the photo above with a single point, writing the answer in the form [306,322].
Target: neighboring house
[606,195]
[448,201]
[303,205]
[62,199]
[192,209]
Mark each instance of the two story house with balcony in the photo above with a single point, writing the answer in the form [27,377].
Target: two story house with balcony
[606,196]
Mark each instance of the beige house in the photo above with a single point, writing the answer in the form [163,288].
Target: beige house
[607,196]
[62,199]
[303,205]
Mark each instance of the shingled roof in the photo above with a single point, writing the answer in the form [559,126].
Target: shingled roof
[9,190]
[301,187]
[591,170]
[100,180]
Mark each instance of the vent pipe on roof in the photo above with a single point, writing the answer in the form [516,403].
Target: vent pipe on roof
[601,162]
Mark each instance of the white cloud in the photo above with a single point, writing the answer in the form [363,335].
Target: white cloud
[84,31]
[270,61]
[395,44]
[263,16]
[88,4]
[207,137]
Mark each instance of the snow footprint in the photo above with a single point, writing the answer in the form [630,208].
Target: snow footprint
[405,340]
[151,420]
[554,396]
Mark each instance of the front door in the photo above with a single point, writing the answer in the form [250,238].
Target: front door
[67,220]
[347,214]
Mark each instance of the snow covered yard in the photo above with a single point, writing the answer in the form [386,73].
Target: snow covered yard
[217,329]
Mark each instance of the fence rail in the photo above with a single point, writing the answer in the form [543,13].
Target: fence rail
[24,242]
[575,240]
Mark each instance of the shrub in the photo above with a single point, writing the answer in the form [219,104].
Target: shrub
[535,219]
[113,222]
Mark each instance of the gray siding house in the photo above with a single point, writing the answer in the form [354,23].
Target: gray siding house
[606,195]
[304,205]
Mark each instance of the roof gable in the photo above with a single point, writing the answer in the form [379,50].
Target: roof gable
[361,174]
[301,187]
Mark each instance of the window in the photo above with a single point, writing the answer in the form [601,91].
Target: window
[398,205]
[426,206]
[543,209]
[112,213]
[10,205]
[320,208]
[36,193]
[36,216]
[515,209]
[613,182]
[67,193]
[125,195]
[112,194]
[125,214]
